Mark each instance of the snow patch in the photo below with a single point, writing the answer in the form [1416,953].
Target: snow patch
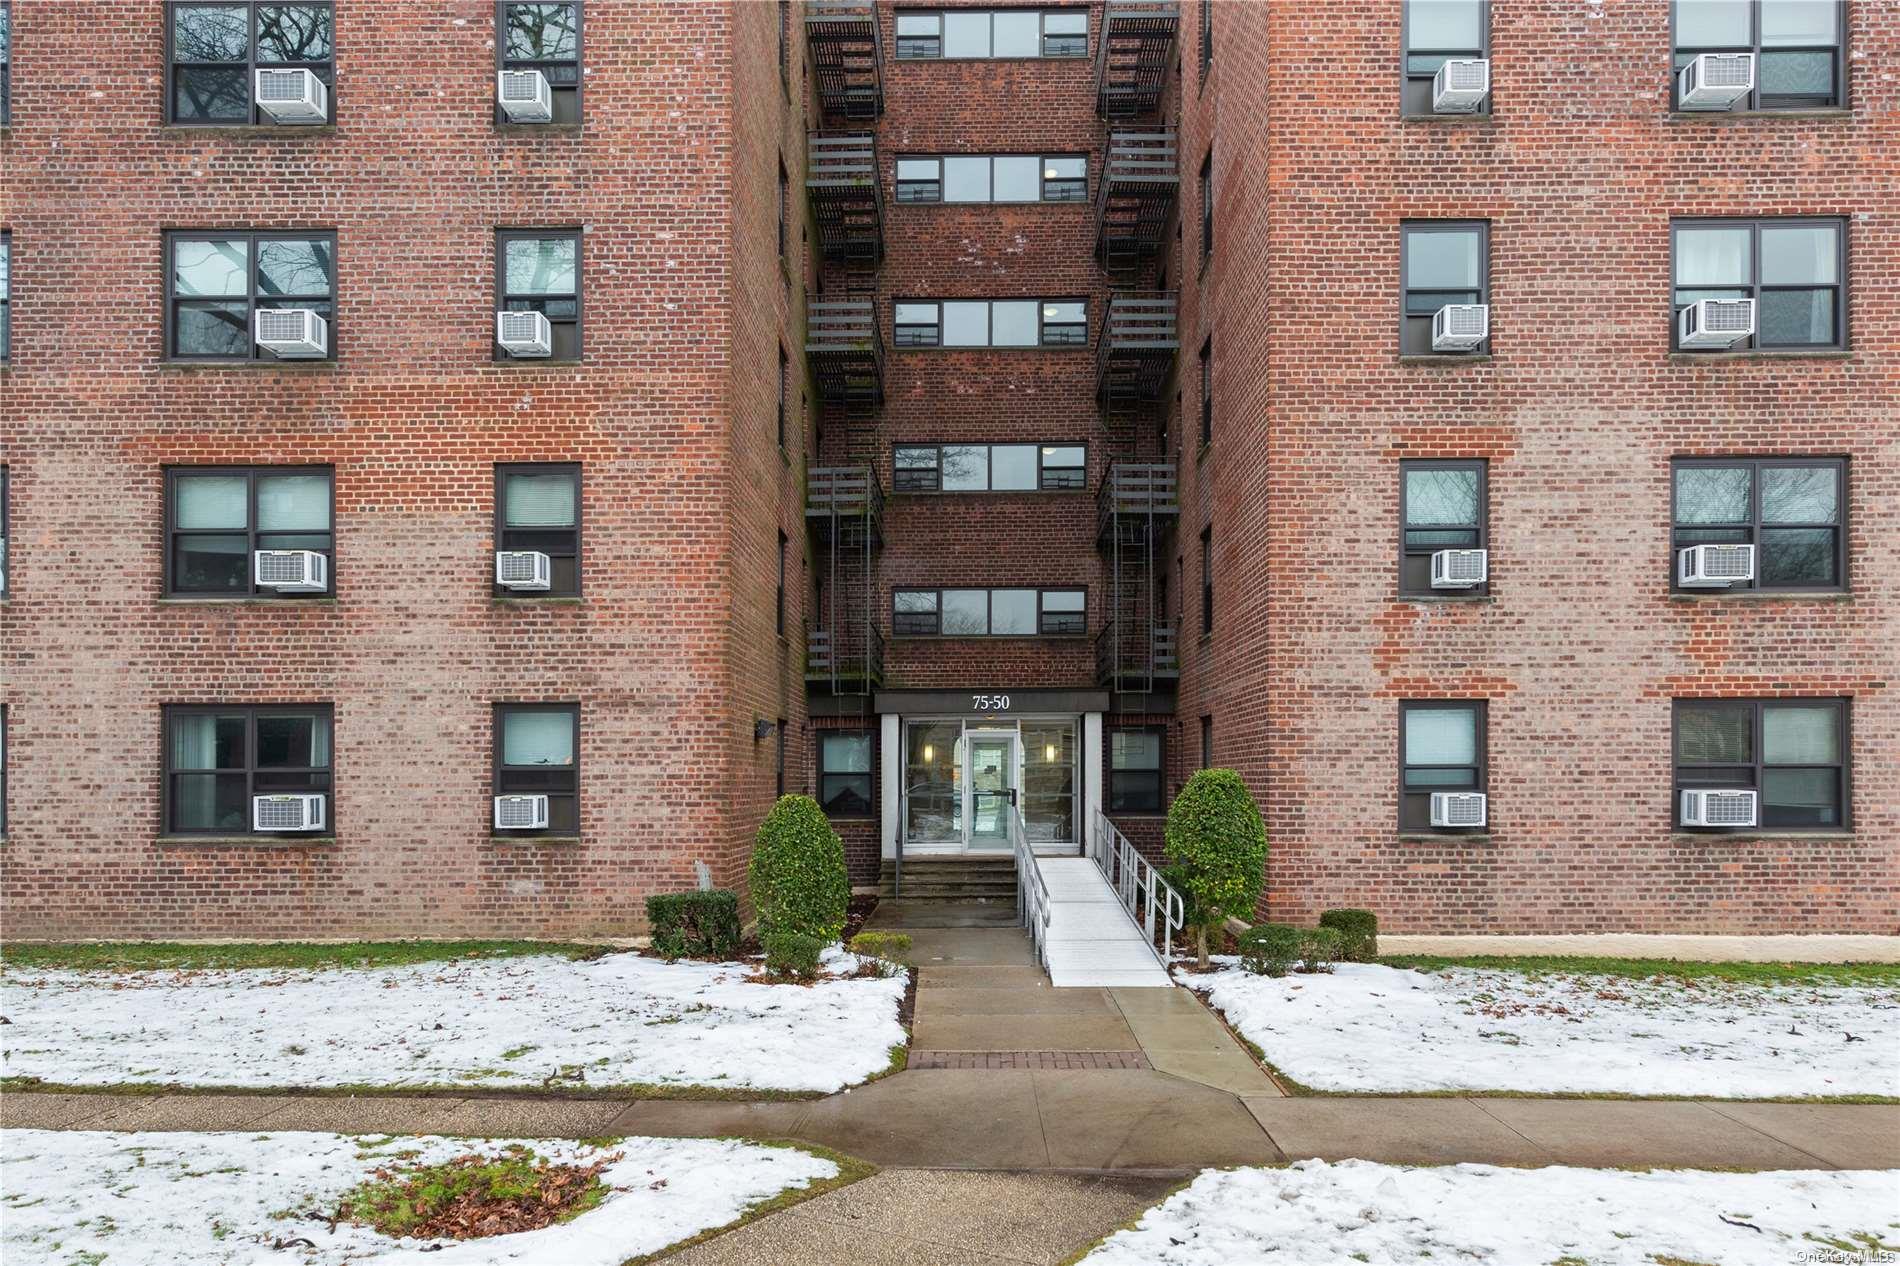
[1371,1028]
[613,1021]
[1317,1214]
[159,1199]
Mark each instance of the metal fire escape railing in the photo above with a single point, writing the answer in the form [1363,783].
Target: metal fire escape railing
[846,351]
[1141,176]
[847,57]
[1032,892]
[1133,56]
[1135,351]
[843,509]
[1151,900]
[843,185]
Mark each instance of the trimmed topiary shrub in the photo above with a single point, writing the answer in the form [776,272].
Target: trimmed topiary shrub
[1218,847]
[1271,949]
[797,874]
[1358,934]
[695,924]
[892,947]
[792,954]
[1319,949]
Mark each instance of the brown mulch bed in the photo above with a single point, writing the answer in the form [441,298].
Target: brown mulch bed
[474,1196]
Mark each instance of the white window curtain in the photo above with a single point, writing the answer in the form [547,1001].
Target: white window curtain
[194,742]
[1712,257]
[540,501]
[1799,736]
[537,738]
[293,503]
[213,501]
[1441,736]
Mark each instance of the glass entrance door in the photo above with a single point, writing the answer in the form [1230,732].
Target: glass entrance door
[991,779]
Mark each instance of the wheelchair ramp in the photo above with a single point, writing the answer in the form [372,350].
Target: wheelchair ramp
[1092,941]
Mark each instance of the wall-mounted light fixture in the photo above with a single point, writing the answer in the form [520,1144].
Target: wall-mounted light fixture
[762,730]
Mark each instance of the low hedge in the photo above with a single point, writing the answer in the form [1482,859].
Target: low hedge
[695,924]
[1319,949]
[1358,934]
[1271,949]
[892,947]
[792,954]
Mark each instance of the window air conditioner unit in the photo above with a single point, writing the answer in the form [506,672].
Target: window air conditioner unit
[1459,568]
[1459,327]
[287,813]
[1715,81]
[525,96]
[1457,808]
[522,569]
[1718,808]
[293,96]
[292,333]
[1714,566]
[1716,323]
[291,570]
[1461,85]
[524,333]
[521,813]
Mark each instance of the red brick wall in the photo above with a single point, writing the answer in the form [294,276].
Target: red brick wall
[1579,410]
[676,443]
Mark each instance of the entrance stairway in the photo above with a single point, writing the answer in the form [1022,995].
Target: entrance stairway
[967,877]
[1092,941]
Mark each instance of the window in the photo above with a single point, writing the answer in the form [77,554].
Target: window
[1207,581]
[1443,508]
[218,757]
[544,37]
[784,204]
[1792,752]
[216,47]
[1789,509]
[216,281]
[6,295]
[989,612]
[6,522]
[1443,262]
[844,774]
[1207,205]
[1796,44]
[1207,742]
[990,323]
[1207,391]
[3,770]
[993,178]
[1134,771]
[785,42]
[539,270]
[6,62]
[1442,747]
[538,508]
[1791,268]
[782,544]
[218,517]
[1207,37]
[784,381]
[537,753]
[983,33]
[778,734]
[1437,31]
[988,467]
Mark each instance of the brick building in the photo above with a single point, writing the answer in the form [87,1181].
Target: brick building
[959,411]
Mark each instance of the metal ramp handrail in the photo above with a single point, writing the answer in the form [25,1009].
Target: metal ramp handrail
[1032,892]
[1137,884]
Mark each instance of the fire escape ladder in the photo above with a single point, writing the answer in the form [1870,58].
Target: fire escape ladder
[1133,57]
[1140,180]
[843,507]
[847,58]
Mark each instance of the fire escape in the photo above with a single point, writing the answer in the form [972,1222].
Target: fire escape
[847,59]
[844,654]
[1138,344]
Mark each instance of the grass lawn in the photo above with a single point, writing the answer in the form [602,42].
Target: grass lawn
[164,955]
[1642,968]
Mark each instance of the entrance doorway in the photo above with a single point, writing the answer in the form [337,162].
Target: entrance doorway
[963,779]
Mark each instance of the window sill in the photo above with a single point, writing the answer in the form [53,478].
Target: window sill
[215,600]
[1482,116]
[1446,597]
[552,600]
[1756,353]
[1473,837]
[1764,595]
[1736,116]
[1787,833]
[251,841]
[173,364]
[1444,360]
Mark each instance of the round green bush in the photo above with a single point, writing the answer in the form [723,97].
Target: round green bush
[1218,846]
[1319,949]
[792,954]
[1271,949]
[1358,934]
[797,875]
